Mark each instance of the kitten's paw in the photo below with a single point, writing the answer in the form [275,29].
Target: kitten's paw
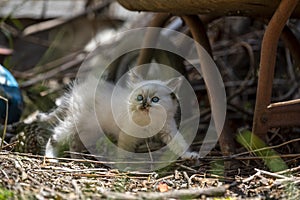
[49,155]
[51,160]
[51,149]
[190,155]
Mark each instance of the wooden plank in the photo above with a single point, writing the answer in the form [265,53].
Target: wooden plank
[284,114]
[257,8]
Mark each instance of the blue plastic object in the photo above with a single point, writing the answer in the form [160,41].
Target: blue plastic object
[10,90]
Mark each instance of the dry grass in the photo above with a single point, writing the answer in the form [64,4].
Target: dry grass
[31,177]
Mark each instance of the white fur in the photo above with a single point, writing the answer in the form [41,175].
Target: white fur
[85,106]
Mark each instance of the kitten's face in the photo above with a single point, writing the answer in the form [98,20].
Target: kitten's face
[152,96]
[152,101]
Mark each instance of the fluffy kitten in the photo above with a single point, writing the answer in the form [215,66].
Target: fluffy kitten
[130,115]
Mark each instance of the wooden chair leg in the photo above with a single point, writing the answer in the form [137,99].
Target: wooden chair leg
[261,121]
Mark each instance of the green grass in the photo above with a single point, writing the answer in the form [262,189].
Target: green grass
[6,194]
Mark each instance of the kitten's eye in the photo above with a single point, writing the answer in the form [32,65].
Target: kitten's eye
[155,99]
[139,97]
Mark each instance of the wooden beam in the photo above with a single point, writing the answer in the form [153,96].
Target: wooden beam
[256,8]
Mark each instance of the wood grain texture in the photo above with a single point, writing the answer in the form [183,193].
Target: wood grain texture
[257,8]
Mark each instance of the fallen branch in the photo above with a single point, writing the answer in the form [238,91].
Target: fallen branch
[213,191]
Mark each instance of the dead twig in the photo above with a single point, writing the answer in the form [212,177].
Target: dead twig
[213,191]
[272,174]
[5,121]
[45,76]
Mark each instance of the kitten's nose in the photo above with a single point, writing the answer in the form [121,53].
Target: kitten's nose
[145,104]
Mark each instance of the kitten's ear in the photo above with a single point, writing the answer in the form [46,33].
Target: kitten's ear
[175,83]
[134,77]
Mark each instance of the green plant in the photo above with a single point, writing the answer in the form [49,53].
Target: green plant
[6,194]
[255,145]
